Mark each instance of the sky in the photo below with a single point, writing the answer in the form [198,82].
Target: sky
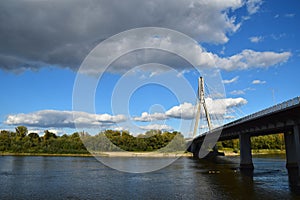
[134,65]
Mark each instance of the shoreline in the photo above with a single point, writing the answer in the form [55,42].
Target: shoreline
[106,154]
[45,154]
[255,152]
[140,154]
[145,154]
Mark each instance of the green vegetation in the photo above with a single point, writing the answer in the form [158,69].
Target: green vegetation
[20,141]
[267,142]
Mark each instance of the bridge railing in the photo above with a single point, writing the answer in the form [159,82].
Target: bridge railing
[287,104]
[278,107]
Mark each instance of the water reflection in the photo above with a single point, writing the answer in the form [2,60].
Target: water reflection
[86,178]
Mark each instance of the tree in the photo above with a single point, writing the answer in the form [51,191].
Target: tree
[48,135]
[4,140]
[21,131]
[33,135]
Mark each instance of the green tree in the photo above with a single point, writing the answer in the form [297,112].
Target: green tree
[48,135]
[21,131]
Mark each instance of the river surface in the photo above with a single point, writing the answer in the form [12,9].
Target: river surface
[38,177]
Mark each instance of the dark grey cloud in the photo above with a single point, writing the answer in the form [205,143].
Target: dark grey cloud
[61,33]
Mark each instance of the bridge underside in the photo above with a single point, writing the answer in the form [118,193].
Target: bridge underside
[292,145]
[285,121]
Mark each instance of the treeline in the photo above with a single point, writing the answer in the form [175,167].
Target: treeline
[20,141]
[152,140]
[271,142]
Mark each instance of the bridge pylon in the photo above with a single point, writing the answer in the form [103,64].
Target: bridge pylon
[201,101]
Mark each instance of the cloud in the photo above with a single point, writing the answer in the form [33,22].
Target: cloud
[183,111]
[215,107]
[278,37]
[233,80]
[146,117]
[252,59]
[256,82]
[192,51]
[63,119]
[237,92]
[37,34]
[187,110]
[119,128]
[290,15]
[58,132]
[68,119]
[162,127]
[253,6]
[230,102]
[256,39]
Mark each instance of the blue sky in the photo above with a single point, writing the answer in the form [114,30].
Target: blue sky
[253,45]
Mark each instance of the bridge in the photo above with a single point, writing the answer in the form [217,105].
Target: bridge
[281,118]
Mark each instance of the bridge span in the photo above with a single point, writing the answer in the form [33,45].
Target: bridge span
[281,118]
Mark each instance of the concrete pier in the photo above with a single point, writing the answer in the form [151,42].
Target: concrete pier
[280,118]
[245,152]
[292,145]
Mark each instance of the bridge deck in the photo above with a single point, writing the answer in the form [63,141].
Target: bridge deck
[275,119]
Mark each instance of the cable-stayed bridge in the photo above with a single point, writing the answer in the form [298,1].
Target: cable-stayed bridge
[281,118]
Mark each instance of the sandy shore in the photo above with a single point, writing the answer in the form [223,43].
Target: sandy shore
[139,154]
[107,154]
[227,153]
[255,152]
[44,154]
[143,154]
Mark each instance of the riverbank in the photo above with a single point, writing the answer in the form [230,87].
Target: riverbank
[144,154]
[227,152]
[106,154]
[230,152]
[44,154]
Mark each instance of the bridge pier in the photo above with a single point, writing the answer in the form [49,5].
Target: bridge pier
[245,152]
[195,148]
[292,146]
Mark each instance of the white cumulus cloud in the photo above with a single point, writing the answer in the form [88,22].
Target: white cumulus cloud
[147,117]
[187,110]
[252,59]
[162,127]
[184,111]
[63,119]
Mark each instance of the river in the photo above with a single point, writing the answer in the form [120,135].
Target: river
[38,177]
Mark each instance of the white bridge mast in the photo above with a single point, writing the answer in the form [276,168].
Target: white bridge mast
[201,101]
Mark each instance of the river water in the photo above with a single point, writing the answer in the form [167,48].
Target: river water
[38,177]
